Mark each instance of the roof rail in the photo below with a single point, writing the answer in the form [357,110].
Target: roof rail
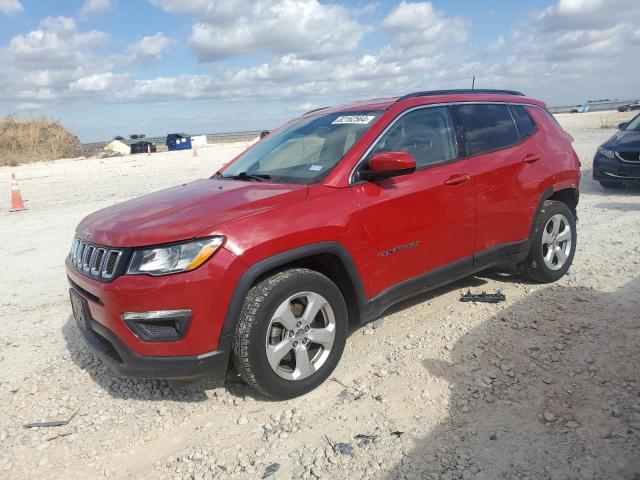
[463,91]
[314,110]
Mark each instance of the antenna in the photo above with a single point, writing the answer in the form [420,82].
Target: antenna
[473,83]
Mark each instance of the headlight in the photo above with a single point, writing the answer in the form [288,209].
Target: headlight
[181,257]
[605,152]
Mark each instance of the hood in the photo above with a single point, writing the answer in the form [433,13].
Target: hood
[182,212]
[625,141]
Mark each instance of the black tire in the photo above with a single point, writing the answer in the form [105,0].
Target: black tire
[249,345]
[609,185]
[534,267]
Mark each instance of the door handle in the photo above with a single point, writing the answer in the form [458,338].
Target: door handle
[532,157]
[457,179]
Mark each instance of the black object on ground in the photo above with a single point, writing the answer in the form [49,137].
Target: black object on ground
[57,423]
[270,470]
[343,448]
[60,435]
[483,297]
[364,439]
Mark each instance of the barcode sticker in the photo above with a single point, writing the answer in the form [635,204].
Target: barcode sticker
[353,119]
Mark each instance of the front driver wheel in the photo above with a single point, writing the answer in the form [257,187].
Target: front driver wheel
[291,333]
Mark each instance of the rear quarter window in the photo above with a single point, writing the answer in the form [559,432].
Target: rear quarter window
[524,123]
[486,127]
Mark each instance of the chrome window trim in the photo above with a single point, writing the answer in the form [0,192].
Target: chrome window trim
[419,107]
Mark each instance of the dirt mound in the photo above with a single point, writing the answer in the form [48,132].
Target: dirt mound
[36,139]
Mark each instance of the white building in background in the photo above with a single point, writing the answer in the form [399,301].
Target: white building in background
[118,147]
[199,140]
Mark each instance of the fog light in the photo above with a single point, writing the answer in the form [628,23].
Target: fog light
[159,325]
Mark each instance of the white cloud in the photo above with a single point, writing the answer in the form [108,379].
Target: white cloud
[314,56]
[307,28]
[61,25]
[497,45]
[40,64]
[37,94]
[98,82]
[28,106]
[420,26]
[56,43]
[90,7]
[151,47]
[581,29]
[587,14]
[574,48]
[10,7]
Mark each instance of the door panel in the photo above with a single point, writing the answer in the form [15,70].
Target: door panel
[506,164]
[416,223]
[506,195]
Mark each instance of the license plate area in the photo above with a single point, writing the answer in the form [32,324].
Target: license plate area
[79,307]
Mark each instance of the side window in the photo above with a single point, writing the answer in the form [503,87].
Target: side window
[426,133]
[486,127]
[524,122]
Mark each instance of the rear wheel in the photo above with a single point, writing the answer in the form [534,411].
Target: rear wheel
[554,243]
[291,333]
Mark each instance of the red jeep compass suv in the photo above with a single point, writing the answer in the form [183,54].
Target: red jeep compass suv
[322,225]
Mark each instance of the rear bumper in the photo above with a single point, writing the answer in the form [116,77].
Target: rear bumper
[615,171]
[123,361]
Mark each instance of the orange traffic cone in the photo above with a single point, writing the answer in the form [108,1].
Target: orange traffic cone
[149,150]
[195,150]
[16,198]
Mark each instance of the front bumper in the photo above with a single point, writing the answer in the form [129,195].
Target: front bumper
[203,350]
[119,358]
[615,171]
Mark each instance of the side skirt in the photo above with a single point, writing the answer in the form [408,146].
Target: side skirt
[509,253]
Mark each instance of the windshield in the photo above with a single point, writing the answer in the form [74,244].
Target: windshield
[634,124]
[304,151]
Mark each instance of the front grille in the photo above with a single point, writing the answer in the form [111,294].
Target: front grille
[95,261]
[629,156]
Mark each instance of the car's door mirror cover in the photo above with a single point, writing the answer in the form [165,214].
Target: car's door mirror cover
[623,125]
[388,164]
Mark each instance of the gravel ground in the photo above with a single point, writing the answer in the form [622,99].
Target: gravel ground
[542,386]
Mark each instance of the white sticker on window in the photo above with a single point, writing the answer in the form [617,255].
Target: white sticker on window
[315,168]
[353,119]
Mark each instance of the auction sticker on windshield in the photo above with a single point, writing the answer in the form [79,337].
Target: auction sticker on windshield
[353,119]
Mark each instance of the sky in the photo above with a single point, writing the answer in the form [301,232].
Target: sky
[115,67]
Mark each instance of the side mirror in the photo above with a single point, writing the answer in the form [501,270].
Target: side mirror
[623,125]
[389,164]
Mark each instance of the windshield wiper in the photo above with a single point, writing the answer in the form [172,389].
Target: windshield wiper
[260,177]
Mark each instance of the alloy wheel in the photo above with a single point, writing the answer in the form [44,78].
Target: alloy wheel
[556,242]
[300,335]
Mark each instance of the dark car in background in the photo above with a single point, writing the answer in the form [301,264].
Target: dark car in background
[617,161]
[629,107]
[178,141]
[143,147]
